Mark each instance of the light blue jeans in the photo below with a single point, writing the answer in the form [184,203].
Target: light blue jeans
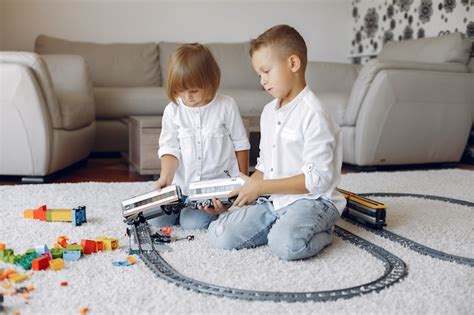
[189,219]
[297,231]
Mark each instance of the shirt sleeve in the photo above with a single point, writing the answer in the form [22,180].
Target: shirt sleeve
[236,128]
[169,142]
[318,153]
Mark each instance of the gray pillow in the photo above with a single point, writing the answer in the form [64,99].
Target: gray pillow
[448,48]
[110,64]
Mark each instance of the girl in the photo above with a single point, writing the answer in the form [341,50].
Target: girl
[202,133]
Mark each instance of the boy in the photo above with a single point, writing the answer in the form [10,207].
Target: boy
[299,163]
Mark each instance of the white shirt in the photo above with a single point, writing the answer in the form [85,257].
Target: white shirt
[203,139]
[301,137]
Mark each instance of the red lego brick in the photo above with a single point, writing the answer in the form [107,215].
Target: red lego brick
[99,245]
[88,246]
[40,263]
[40,213]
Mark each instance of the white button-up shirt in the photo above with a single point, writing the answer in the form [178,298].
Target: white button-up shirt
[301,138]
[203,139]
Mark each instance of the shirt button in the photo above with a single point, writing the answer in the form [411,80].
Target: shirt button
[271,170]
[199,158]
[279,123]
[274,146]
[199,142]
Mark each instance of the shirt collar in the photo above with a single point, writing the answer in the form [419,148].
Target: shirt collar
[181,103]
[293,102]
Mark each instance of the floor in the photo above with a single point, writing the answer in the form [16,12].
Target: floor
[115,169]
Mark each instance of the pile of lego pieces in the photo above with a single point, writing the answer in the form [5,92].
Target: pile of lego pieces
[41,257]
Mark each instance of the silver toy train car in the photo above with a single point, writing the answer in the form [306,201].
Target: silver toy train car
[153,204]
[202,192]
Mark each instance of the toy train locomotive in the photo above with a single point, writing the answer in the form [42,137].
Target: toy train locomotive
[366,211]
[171,200]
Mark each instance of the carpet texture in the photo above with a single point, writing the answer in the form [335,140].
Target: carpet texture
[432,286]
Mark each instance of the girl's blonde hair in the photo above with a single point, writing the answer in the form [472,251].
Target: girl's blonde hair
[192,66]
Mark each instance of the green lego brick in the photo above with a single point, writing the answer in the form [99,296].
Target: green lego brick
[75,247]
[57,252]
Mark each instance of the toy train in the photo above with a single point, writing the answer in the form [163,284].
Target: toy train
[171,200]
[154,204]
[366,211]
[201,193]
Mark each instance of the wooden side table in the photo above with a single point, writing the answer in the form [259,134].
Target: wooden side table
[143,136]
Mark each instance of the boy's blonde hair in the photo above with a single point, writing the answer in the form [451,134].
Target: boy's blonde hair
[192,66]
[284,39]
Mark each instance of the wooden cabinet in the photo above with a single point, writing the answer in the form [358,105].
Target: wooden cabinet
[144,134]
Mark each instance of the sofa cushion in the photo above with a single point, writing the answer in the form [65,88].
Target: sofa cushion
[250,102]
[232,58]
[119,102]
[110,64]
[335,104]
[77,109]
[449,48]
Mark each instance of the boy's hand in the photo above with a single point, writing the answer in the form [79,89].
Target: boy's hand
[160,183]
[248,192]
[217,209]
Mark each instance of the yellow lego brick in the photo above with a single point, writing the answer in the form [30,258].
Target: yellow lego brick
[28,214]
[63,215]
[56,264]
[109,243]
[18,278]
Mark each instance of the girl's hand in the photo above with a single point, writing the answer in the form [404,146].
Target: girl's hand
[248,192]
[217,209]
[160,183]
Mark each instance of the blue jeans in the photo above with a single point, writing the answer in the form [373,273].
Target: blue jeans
[297,231]
[189,219]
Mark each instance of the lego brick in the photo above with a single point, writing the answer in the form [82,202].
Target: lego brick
[41,249]
[56,264]
[56,252]
[28,214]
[26,259]
[71,255]
[99,245]
[89,246]
[2,246]
[62,241]
[40,263]
[75,246]
[19,278]
[40,213]
[61,215]
[109,243]
[78,216]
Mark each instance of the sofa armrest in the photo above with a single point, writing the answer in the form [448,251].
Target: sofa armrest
[412,116]
[73,88]
[331,77]
[25,131]
[373,67]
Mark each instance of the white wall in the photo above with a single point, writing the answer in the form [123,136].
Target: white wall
[2,21]
[325,24]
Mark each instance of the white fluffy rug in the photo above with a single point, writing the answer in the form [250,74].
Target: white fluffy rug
[432,286]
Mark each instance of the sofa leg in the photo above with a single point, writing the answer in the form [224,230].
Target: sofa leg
[33,180]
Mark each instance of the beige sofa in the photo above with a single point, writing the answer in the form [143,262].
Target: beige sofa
[47,113]
[414,104]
